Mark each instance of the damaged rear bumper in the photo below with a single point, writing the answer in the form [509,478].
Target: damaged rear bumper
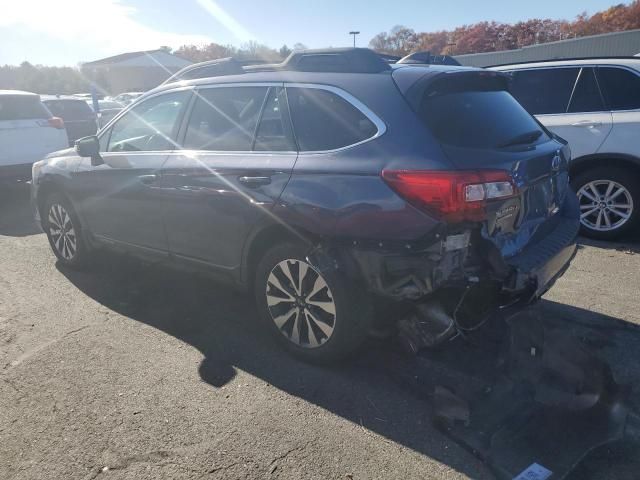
[462,258]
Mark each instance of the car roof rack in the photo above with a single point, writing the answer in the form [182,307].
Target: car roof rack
[426,58]
[568,59]
[340,60]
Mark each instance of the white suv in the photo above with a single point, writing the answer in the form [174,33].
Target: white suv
[28,132]
[594,104]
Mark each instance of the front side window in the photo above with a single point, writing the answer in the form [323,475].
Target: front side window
[225,118]
[621,88]
[149,126]
[323,120]
[544,91]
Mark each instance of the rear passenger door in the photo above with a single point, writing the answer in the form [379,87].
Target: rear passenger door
[238,154]
[621,88]
[568,102]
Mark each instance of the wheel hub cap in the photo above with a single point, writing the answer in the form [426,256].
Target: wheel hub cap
[605,205]
[62,232]
[300,303]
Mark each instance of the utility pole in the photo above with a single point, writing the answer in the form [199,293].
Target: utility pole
[354,33]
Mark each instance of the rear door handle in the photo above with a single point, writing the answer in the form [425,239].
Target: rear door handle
[148,179]
[254,181]
[587,123]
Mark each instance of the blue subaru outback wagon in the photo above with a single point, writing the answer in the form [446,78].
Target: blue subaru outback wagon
[329,187]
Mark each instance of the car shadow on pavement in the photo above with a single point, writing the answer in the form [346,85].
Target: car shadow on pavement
[223,326]
[16,218]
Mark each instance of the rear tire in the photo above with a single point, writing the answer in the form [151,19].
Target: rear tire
[314,314]
[62,226]
[609,202]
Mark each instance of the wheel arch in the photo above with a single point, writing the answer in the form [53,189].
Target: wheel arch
[262,240]
[587,162]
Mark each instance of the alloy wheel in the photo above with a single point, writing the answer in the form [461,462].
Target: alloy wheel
[300,303]
[605,205]
[62,232]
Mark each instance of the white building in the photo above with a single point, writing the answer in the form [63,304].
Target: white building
[133,71]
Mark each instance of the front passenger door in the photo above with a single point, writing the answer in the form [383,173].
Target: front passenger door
[120,198]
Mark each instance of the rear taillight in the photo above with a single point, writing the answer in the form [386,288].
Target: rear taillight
[454,196]
[55,122]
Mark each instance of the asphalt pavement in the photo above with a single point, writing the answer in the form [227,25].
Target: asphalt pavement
[134,371]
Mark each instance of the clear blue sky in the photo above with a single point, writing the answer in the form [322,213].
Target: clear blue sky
[65,32]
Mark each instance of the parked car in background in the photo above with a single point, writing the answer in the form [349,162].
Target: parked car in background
[79,118]
[108,110]
[595,105]
[326,185]
[127,97]
[28,132]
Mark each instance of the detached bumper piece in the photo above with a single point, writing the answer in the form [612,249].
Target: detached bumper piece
[531,405]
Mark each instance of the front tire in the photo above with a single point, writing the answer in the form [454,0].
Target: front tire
[314,314]
[63,229]
[609,202]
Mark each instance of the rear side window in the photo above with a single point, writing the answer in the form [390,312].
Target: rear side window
[621,88]
[544,91]
[586,95]
[69,110]
[478,119]
[22,107]
[323,120]
[225,118]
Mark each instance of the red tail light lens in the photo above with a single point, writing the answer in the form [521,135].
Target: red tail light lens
[454,196]
[56,122]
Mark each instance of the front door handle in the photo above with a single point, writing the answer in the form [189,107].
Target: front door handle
[587,124]
[254,181]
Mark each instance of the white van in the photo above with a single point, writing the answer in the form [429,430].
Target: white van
[28,132]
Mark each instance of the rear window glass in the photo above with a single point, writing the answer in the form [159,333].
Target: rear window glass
[69,109]
[22,107]
[477,119]
[324,121]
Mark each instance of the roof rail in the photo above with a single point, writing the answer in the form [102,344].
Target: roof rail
[211,68]
[425,57]
[568,59]
[341,60]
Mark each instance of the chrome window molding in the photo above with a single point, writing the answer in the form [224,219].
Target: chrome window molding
[366,111]
[381,127]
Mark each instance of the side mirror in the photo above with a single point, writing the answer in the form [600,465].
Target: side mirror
[89,147]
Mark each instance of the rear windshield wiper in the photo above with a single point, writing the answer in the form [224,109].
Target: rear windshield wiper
[522,139]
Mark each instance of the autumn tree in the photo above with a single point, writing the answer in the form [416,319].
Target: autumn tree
[494,36]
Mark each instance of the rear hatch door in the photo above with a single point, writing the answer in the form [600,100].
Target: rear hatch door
[482,127]
[26,135]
